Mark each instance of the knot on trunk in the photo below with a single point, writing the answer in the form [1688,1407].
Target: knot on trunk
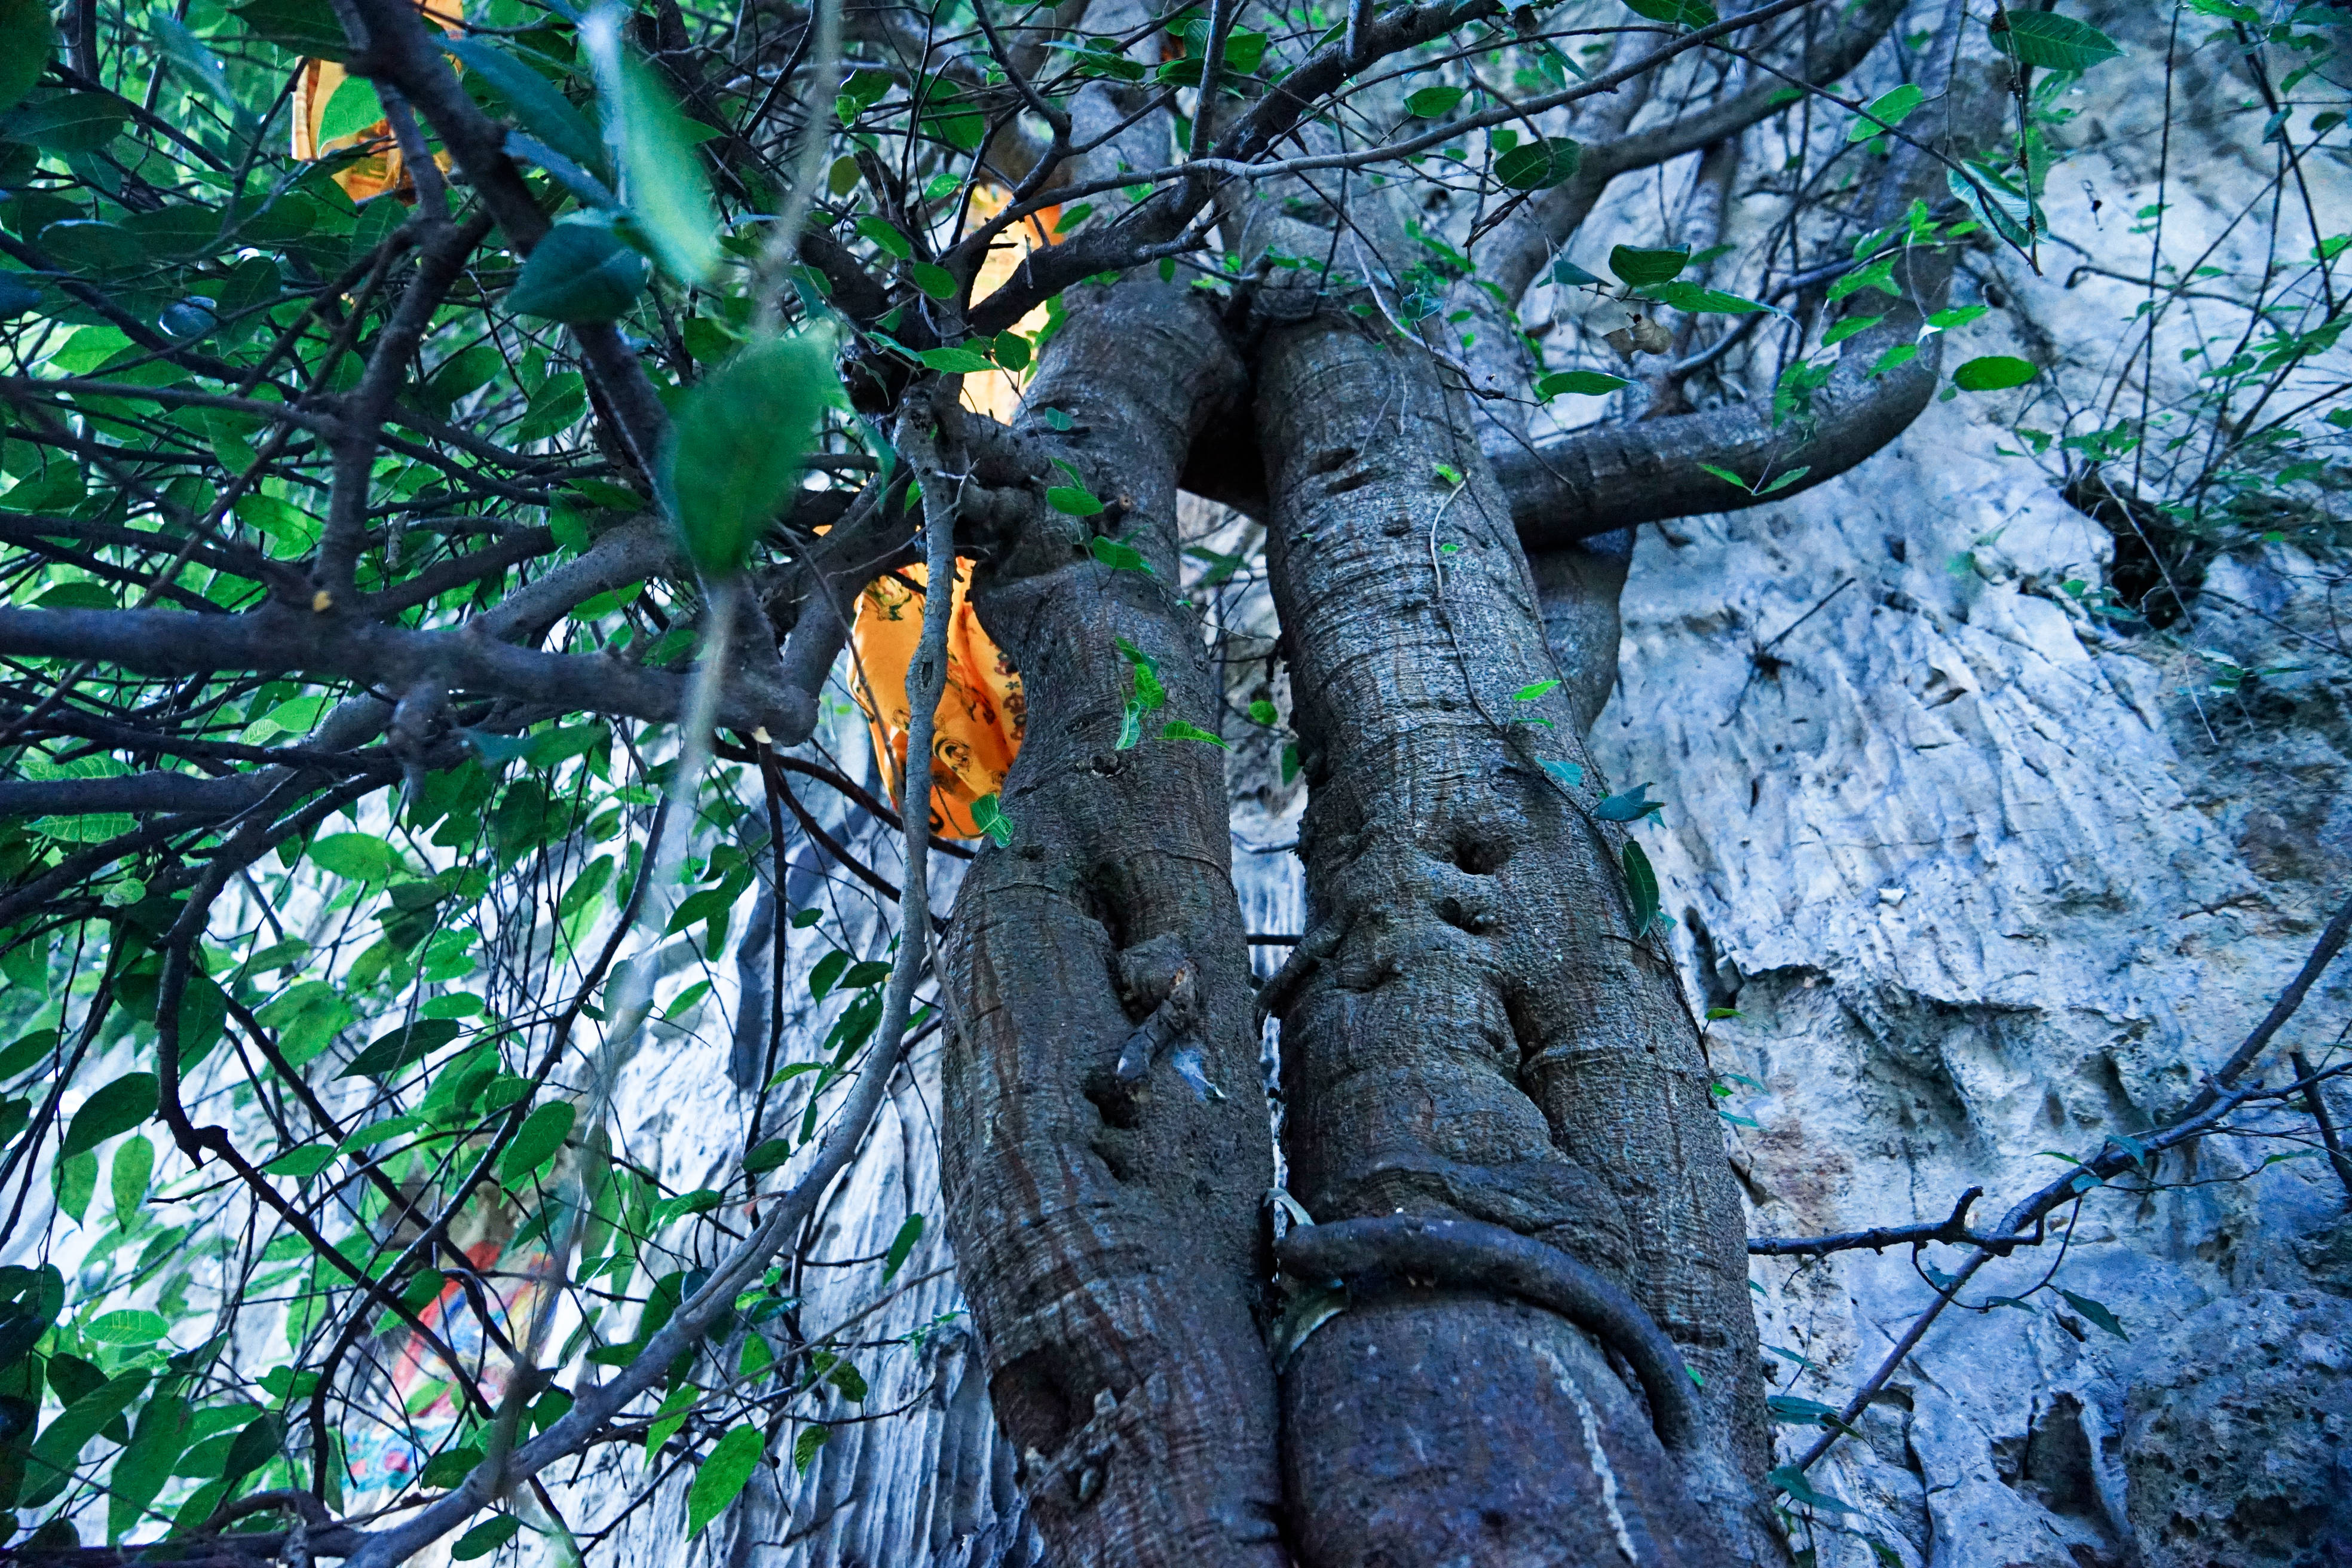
[1159,980]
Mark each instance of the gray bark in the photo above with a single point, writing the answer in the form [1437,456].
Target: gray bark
[1485,1035]
[1103,1207]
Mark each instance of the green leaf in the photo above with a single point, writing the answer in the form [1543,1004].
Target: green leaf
[1642,889]
[1887,111]
[541,1133]
[722,1476]
[1583,383]
[581,273]
[805,1445]
[988,815]
[352,109]
[1261,712]
[1897,356]
[668,192]
[1629,807]
[2097,1312]
[67,123]
[933,280]
[2045,38]
[957,362]
[1011,351]
[75,1178]
[1878,275]
[256,1445]
[1638,268]
[1993,373]
[146,1463]
[62,1441]
[486,1538]
[1791,1481]
[1433,103]
[1999,204]
[1848,328]
[827,974]
[734,453]
[702,1200]
[538,107]
[304,26]
[32,38]
[1114,554]
[132,1170]
[1699,299]
[1568,773]
[1539,165]
[845,1376]
[1177,730]
[1958,316]
[360,856]
[886,236]
[117,1107]
[1570,275]
[442,1471]
[1785,480]
[301,1163]
[131,1326]
[1725,474]
[1682,12]
[29,1051]
[1533,689]
[902,1245]
[402,1048]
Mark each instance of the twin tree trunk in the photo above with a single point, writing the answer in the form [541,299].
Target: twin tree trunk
[1496,1106]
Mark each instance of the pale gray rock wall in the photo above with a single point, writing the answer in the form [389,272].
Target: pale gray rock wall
[1984,880]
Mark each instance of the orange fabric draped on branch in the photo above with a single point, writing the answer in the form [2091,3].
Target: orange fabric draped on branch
[981,714]
[381,170]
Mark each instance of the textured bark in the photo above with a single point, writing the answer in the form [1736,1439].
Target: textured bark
[1105,1221]
[1598,480]
[1486,1038]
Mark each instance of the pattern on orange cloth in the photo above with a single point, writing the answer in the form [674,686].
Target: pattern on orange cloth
[977,730]
[381,169]
[997,393]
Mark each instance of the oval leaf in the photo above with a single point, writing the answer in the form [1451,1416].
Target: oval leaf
[538,108]
[33,37]
[1993,374]
[388,1054]
[68,122]
[1583,383]
[722,1476]
[1540,164]
[118,1107]
[2045,38]
[1887,111]
[129,1327]
[1638,268]
[734,456]
[955,361]
[486,1538]
[1433,103]
[582,274]
[542,1135]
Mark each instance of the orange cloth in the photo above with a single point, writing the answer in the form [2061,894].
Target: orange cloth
[380,171]
[977,730]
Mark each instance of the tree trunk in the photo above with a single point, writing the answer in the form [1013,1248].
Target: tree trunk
[1475,1032]
[1103,1203]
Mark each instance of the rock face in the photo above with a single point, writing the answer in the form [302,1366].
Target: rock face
[1975,876]
[2235,1432]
